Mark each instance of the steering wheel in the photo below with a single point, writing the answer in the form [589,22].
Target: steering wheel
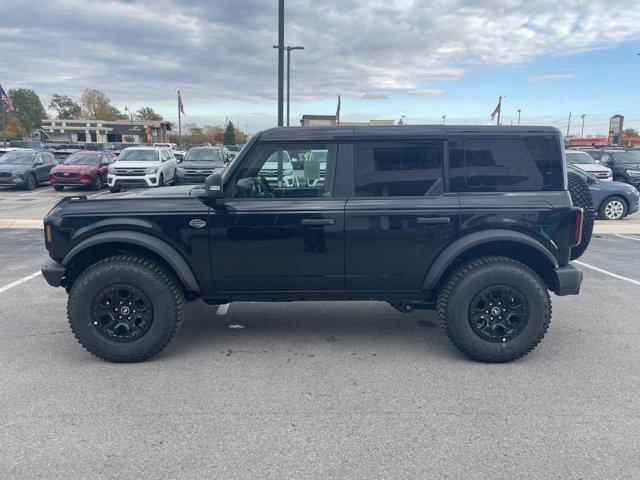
[264,188]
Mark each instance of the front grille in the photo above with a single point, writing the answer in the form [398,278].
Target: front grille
[198,172]
[130,183]
[132,172]
[602,174]
[6,174]
[67,175]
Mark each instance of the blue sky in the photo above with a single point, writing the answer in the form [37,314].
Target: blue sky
[418,58]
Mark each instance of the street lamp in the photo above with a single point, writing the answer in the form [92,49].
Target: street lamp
[288,50]
[519,111]
[126,109]
[444,119]
[582,129]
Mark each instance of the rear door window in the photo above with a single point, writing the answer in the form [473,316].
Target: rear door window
[505,164]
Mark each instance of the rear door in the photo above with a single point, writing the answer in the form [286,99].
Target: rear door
[399,217]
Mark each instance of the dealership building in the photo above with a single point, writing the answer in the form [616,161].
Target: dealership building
[104,131]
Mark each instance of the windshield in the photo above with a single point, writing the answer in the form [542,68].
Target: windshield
[626,157]
[204,155]
[81,159]
[17,158]
[138,156]
[580,157]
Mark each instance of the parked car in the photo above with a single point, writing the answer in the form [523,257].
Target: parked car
[422,217]
[194,145]
[198,164]
[171,146]
[83,168]
[4,150]
[586,162]
[26,168]
[62,153]
[625,164]
[269,170]
[142,167]
[179,154]
[32,144]
[611,200]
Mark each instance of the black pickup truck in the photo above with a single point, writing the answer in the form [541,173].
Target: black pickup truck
[475,222]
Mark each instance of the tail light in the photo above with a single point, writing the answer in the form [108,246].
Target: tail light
[578,218]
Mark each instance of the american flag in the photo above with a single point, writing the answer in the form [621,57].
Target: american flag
[495,112]
[180,104]
[6,100]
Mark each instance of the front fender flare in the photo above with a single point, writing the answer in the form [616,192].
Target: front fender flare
[157,246]
[444,259]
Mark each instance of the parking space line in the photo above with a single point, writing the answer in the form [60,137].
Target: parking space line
[35,192]
[606,272]
[630,238]
[18,282]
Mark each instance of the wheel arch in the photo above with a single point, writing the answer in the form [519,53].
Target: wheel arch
[103,245]
[511,244]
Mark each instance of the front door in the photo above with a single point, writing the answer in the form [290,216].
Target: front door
[400,217]
[279,229]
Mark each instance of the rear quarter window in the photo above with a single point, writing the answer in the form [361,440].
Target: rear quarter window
[505,164]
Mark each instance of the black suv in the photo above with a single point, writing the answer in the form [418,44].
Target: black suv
[476,222]
[625,164]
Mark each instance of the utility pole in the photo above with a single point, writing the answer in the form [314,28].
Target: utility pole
[569,124]
[519,116]
[4,135]
[582,129]
[280,61]
[288,50]
[126,109]
[179,122]
[444,119]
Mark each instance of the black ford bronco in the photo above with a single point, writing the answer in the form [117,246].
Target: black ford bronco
[475,222]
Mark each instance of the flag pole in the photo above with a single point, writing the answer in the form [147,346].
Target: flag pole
[179,123]
[4,136]
[499,107]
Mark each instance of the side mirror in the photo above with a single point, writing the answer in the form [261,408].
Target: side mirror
[591,180]
[104,162]
[213,185]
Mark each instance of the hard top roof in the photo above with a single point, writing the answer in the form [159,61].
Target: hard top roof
[372,132]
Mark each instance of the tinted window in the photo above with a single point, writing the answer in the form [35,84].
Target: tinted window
[204,155]
[82,159]
[578,158]
[17,158]
[626,157]
[269,172]
[396,170]
[505,165]
[138,156]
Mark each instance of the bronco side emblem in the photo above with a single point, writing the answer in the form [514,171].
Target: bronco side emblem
[197,223]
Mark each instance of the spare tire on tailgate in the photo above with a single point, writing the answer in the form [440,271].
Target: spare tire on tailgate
[581,197]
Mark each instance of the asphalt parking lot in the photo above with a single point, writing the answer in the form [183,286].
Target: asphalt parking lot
[318,390]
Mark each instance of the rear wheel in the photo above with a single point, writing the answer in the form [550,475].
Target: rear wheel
[581,197]
[494,309]
[613,208]
[125,308]
[97,185]
[31,182]
[59,188]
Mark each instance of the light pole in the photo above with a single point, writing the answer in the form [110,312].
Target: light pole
[444,119]
[519,116]
[126,109]
[582,129]
[569,124]
[288,50]
[280,60]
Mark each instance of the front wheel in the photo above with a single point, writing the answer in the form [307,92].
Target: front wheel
[97,185]
[125,308]
[161,180]
[31,182]
[613,208]
[494,309]
[114,189]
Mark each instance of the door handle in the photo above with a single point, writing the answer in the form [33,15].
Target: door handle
[433,220]
[318,222]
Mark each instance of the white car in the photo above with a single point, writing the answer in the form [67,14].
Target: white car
[269,170]
[586,162]
[172,146]
[142,167]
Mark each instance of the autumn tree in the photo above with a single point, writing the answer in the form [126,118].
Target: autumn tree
[28,108]
[96,105]
[148,113]
[630,132]
[65,107]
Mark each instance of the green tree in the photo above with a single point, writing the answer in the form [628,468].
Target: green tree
[66,108]
[229,137]
[630,132]
[97,106]
[148,113]
[29,109]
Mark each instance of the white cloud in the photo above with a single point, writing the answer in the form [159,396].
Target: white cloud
[551,76]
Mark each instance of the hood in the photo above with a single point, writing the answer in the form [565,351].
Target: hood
[592,167]
[628,166]
[178,191]
[132,164]
[201,165]
[7,167]
[76,168]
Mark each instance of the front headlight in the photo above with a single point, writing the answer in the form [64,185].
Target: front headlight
[633,173]
[151,170]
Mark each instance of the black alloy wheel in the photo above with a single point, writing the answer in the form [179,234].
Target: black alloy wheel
[498,313]
[121,312]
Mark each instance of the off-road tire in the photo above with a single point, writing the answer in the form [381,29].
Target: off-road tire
[58,188]
[161,287]
[458,290]
[161,180]
[581,197]
[602,212]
